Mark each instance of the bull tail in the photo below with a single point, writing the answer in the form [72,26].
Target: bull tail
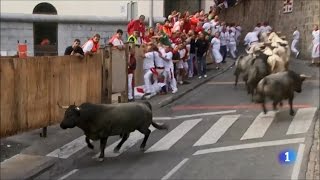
[160,127]
[147,103]
[260,96]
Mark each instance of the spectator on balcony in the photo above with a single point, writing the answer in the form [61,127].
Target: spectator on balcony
[92,45]
[116,40]
[74,49]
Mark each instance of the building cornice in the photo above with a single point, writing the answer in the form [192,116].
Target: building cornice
[67,19]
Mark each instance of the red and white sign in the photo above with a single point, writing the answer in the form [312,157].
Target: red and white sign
[287,6]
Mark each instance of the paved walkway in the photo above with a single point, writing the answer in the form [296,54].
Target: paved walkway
[159,101]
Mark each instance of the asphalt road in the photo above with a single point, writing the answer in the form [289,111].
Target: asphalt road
[215,133]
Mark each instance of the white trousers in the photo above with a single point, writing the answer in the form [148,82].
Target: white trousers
[147,80]
[130,86]
[232,49]
[294,46]
[171,79]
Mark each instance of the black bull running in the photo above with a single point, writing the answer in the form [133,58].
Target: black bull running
[99,121]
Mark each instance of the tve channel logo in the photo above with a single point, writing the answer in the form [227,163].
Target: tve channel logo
[287,156]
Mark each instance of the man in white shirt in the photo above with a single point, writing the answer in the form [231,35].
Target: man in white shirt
[257,28]
[251,38]
[265,28]
[296,37]
[149,69]
[116,40]
[207,25]
[92,45]
[224,40]
[215,25]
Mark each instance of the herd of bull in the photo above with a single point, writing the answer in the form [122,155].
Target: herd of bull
[266,72]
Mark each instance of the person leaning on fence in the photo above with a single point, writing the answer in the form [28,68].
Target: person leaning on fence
[92,45]
[131,69]
[116,40]
[74,49]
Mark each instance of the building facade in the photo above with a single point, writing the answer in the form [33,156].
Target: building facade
[282,15]
[60,22]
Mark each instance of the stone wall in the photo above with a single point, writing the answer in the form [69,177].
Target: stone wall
[11,32]
[68,32]
[305,14]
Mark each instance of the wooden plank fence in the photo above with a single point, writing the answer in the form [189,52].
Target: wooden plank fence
[30,89]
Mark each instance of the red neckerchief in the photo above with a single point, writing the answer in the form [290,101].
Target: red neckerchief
[95,46]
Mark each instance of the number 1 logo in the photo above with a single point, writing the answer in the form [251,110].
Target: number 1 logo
[287,156]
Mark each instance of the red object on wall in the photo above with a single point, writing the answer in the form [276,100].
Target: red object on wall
[22,50]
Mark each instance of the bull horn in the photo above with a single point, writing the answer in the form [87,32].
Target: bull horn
[305,76]
[62,107]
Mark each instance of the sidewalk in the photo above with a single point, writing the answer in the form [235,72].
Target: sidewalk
[27,166]
[313,170]
[160,101]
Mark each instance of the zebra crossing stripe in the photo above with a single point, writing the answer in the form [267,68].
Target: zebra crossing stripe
[194,115]
[250,146]
[131,141]
[217,130]
[259,126]
[69,149]
[173,136]
[302,121]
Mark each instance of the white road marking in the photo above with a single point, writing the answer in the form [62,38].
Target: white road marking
[131,141]
[250,145]
[175,169]
[194,115]
[302,121]
[68,174]
[297,164]
[217,130]
[259,126]
[173,136]
[68,149]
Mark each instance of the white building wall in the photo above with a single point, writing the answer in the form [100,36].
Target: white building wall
[110,8]
[205,4]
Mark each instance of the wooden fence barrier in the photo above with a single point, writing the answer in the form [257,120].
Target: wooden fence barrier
[30,89]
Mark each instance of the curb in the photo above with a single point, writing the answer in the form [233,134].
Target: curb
[23,166]
[313,171]
[196,85]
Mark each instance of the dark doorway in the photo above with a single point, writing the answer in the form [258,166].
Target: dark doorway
[181,6]
[45,33]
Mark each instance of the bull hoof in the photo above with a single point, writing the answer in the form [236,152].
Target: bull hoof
[291,113]
[116,150]
[142,148]
[90,146]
